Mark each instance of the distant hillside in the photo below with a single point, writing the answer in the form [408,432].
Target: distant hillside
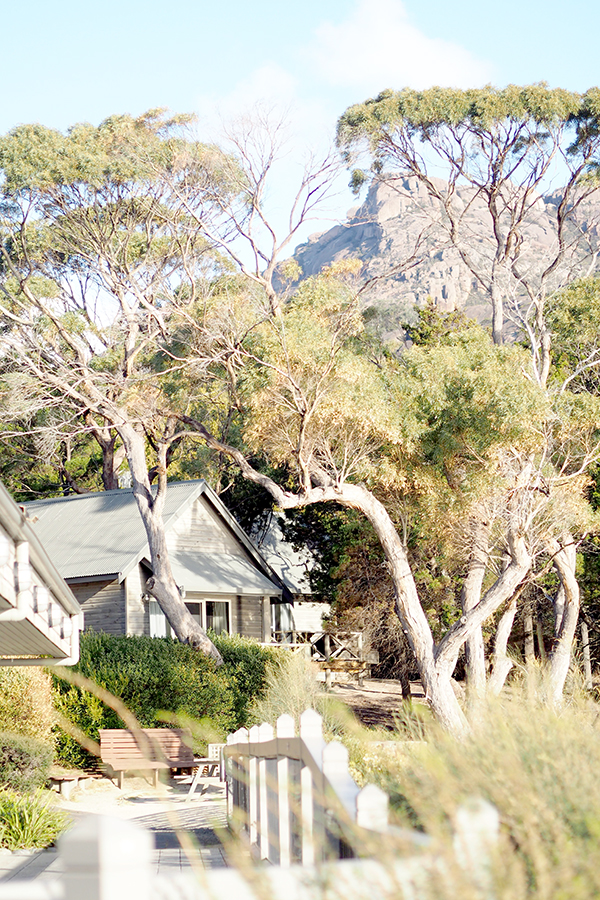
[401,222]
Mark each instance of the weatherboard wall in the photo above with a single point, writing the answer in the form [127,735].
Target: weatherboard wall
[200,530]
[103,604]
[137,609]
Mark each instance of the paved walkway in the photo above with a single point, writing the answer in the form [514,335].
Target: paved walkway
[164,816]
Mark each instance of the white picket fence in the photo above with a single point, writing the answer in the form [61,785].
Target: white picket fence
[292,798]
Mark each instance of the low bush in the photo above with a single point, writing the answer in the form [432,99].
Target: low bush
[28,821]
[159,679]
[24,761]
[291,687]
[247,666]
[26,702]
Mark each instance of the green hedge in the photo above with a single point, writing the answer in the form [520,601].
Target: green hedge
[246,664]
[157,676]
[24,762]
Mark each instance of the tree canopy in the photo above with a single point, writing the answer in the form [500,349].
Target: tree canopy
[496,150]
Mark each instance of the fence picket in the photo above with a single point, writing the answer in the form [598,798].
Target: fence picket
[372,808]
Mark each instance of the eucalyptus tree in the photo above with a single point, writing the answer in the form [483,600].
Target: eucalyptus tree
[113,239]
[499,150]
[353,432]
[97,252]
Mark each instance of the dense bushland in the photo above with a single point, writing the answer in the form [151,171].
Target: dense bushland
[538,767]
[158,679]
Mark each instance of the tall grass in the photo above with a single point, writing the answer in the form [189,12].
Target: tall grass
[541,770]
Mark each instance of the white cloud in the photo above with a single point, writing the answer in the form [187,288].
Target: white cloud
[377,48]
[269,84]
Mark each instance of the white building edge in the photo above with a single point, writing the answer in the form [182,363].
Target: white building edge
[40,619]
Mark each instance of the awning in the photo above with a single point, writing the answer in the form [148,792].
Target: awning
[221,573]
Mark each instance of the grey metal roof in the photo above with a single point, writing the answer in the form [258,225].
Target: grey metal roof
[220,573]
[103,534]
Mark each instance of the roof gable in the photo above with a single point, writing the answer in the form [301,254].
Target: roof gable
[103,534]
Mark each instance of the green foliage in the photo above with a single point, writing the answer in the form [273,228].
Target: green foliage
[24,761]
[469,398]
[28,822]
[246,665]
[158,676]
[433,327]
[479,109]
[573,314]
[26,702]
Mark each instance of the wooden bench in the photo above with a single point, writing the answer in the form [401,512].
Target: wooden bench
[66,780]
[151,749]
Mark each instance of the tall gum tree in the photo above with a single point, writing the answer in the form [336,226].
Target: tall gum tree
[310,397]
[111,240]
[349,430]
[96,253]
[499,150]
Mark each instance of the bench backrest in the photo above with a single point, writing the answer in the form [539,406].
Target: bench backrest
[157,745]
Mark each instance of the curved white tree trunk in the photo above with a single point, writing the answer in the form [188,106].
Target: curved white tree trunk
[560,658]
[470,596]
[162,584]
[501,663]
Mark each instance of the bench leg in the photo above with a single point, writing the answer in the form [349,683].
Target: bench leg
[120,780]
[155,777]
[195,781]
[66,788]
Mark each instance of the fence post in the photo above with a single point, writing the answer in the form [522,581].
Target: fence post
[285,729]
[328,679]
[477,827]
[265,733]
[311,811]
[107,859]
[253,789]
[335,770]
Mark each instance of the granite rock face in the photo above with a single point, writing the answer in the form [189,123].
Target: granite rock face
[401,235]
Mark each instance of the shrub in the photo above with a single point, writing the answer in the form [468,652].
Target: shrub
[154,676]
[26,702]
[24,761]
[247,665]
[28,821]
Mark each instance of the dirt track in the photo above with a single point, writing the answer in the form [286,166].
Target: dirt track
[377,701]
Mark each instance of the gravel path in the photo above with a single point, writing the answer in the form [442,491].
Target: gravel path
[376,703]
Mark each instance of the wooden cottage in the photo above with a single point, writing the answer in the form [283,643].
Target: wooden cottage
[98,544]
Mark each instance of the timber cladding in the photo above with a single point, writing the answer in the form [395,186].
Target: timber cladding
[103,604]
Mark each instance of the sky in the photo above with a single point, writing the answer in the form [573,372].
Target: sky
[67,61]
